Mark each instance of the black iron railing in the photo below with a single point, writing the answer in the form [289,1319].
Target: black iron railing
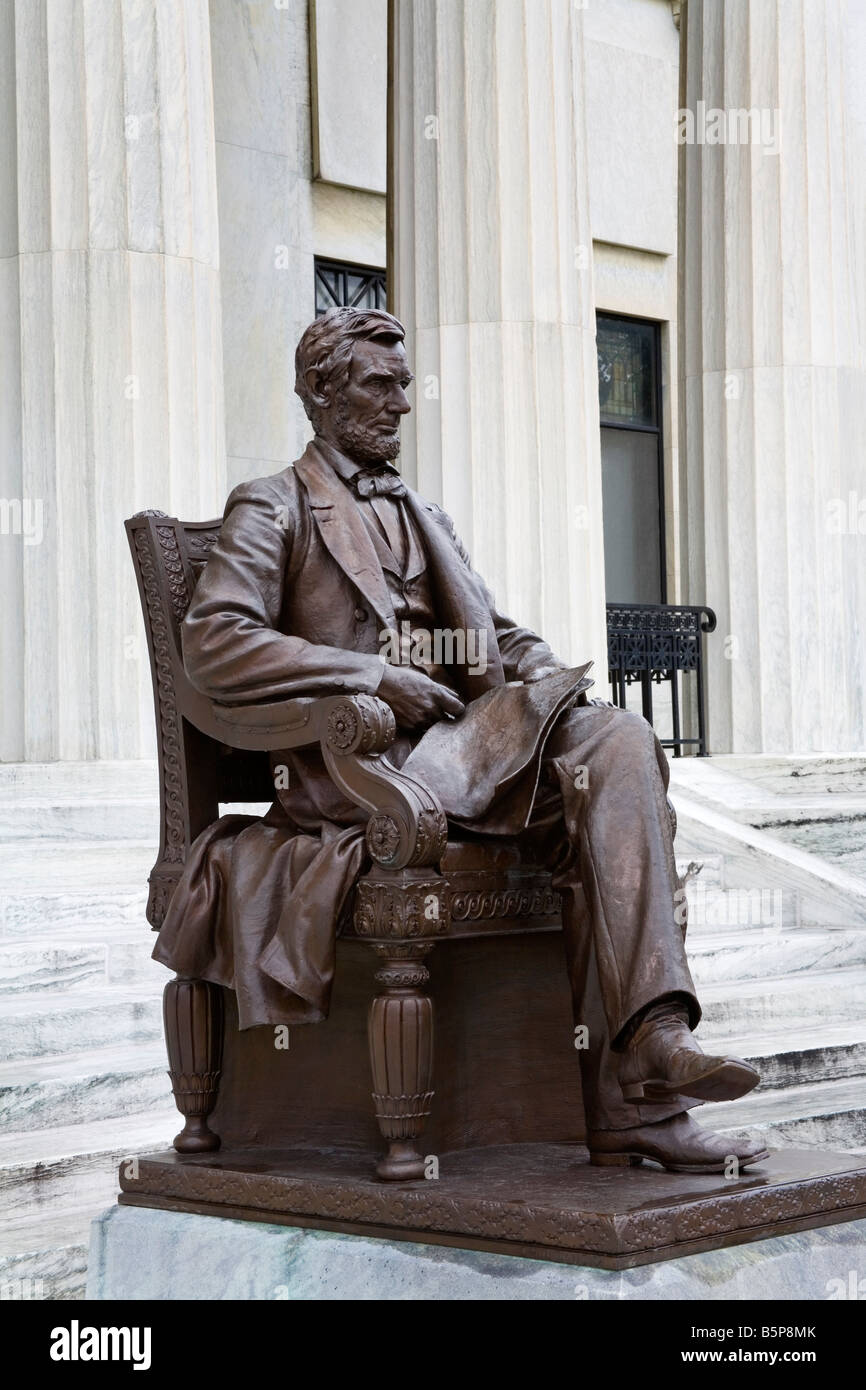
[654,642]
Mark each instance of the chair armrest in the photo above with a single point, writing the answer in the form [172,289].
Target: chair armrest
[278,724]
[265,727]
[407,826]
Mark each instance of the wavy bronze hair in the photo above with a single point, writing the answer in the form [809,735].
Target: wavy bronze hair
[327,347]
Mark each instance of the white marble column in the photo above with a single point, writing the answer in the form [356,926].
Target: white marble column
[491,270]
[262,118]
[111,358]
[773,368]
[274,216]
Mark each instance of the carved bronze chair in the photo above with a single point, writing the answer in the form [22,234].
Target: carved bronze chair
[506,1070]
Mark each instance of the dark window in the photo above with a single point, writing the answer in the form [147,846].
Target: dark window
[632,459]
[354,286]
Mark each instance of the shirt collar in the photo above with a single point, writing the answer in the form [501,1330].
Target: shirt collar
[347,468]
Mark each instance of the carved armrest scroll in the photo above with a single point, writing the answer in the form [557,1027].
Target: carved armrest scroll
[407,826]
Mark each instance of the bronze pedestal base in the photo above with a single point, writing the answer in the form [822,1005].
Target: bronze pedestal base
[543,1201]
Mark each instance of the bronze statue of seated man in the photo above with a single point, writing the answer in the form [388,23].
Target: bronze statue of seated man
[332,577]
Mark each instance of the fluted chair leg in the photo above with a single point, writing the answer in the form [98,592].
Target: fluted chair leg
[193,1018]
[401,1057]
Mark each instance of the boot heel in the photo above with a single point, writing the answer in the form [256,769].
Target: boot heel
[615,1160]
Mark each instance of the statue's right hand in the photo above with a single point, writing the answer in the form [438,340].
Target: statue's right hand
[416,700]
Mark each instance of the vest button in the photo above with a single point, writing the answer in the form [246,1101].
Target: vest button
[361,615]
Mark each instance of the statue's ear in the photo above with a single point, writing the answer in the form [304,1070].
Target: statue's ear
[319,387]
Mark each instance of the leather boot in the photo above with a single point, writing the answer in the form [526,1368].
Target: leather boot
[678,1144]
[662,1060]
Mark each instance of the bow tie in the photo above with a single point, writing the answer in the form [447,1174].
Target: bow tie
[382,482]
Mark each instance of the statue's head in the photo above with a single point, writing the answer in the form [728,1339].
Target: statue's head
[351,372]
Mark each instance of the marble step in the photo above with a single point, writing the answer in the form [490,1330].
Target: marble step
[828,894]
[763,953]
[712,909]
[38,1092]
[53,1182]
[829,1114]
[792,1003]
[759,775]
[37,819]
[707,869]
[37,1022]
[55,1264]
[93,905]
[27,866]
[96,780]
[54,885]
[832,1052]
[77,957]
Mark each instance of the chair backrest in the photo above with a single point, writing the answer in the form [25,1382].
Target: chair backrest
[195,772]
[169,555]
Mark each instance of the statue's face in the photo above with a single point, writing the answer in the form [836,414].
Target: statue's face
[364,420]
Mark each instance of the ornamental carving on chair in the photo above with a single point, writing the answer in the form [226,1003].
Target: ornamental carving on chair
[360,725]
[173,849]
[474,905]
[432,837]
[383,838]
[172,565]
[385,911]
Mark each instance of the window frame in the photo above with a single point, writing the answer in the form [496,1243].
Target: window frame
[657,429]
[345,268]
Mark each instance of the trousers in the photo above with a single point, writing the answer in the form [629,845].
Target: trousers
[600,823]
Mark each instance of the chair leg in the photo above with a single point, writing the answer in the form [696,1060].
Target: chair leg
[193,1018]
[401,1056]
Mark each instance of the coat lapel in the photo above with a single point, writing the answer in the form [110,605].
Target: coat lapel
[343,532]
[459,601]
[458,598]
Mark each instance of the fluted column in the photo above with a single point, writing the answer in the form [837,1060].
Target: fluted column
[112,363]
[772,360]
[491,269]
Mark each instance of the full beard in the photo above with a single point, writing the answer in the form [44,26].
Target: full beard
[362,444]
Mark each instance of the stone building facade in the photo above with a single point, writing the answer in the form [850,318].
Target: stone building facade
[173,172]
